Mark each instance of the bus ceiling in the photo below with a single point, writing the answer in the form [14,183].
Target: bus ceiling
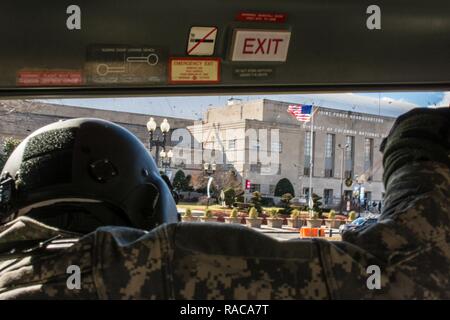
[140,47]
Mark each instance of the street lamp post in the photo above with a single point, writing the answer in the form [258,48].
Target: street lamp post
[344,148]
[166,159]
[359,197]
[209,169]
[360,182]
[154,141]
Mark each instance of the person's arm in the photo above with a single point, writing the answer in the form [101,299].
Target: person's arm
[412,237]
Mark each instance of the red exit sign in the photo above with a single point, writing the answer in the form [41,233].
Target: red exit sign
[260,45]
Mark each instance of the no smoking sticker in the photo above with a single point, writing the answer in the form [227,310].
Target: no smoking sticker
[194,70]
[201,41]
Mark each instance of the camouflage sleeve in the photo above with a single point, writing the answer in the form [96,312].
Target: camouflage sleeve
[412,239]
[44,275]
[215,261]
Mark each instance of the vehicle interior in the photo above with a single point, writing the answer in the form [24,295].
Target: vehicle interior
[178,71]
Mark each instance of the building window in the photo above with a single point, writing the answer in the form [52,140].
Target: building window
[306,192]
[272,189]
[349,156]
[368,157]
[254,145]
[328,196]
[255,168]
[328,173]
[368,196]
[255,187]
[309,152]
[329,155]
[348,195]
[232,144]
[277,147]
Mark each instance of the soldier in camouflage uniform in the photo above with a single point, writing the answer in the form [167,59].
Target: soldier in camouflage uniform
[410,244]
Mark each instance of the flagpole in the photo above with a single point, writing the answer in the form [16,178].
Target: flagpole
[311,162]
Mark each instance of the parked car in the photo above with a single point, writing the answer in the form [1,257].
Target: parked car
[357,224]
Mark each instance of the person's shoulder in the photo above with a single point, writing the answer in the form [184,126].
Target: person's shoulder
[27,229]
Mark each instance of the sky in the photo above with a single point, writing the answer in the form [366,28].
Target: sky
[192,107]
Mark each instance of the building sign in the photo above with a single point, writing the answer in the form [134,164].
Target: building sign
[194,70]
[260,45]
[345,131]
[348,115]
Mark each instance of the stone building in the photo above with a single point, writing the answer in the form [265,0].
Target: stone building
[263,143]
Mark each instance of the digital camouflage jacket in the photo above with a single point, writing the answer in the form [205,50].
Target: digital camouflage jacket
[410,245]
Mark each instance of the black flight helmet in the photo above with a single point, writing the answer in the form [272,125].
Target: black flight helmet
[88,163]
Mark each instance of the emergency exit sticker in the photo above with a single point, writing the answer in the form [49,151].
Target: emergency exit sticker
[260,45]
[194,70]
[201,41]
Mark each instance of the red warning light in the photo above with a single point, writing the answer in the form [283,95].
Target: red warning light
[247,184]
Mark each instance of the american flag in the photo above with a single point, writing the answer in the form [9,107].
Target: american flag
[300,112]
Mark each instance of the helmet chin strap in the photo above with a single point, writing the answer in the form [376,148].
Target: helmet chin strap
[25,210]
[77,215]
[7,192]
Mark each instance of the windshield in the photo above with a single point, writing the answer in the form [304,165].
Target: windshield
[225,152]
